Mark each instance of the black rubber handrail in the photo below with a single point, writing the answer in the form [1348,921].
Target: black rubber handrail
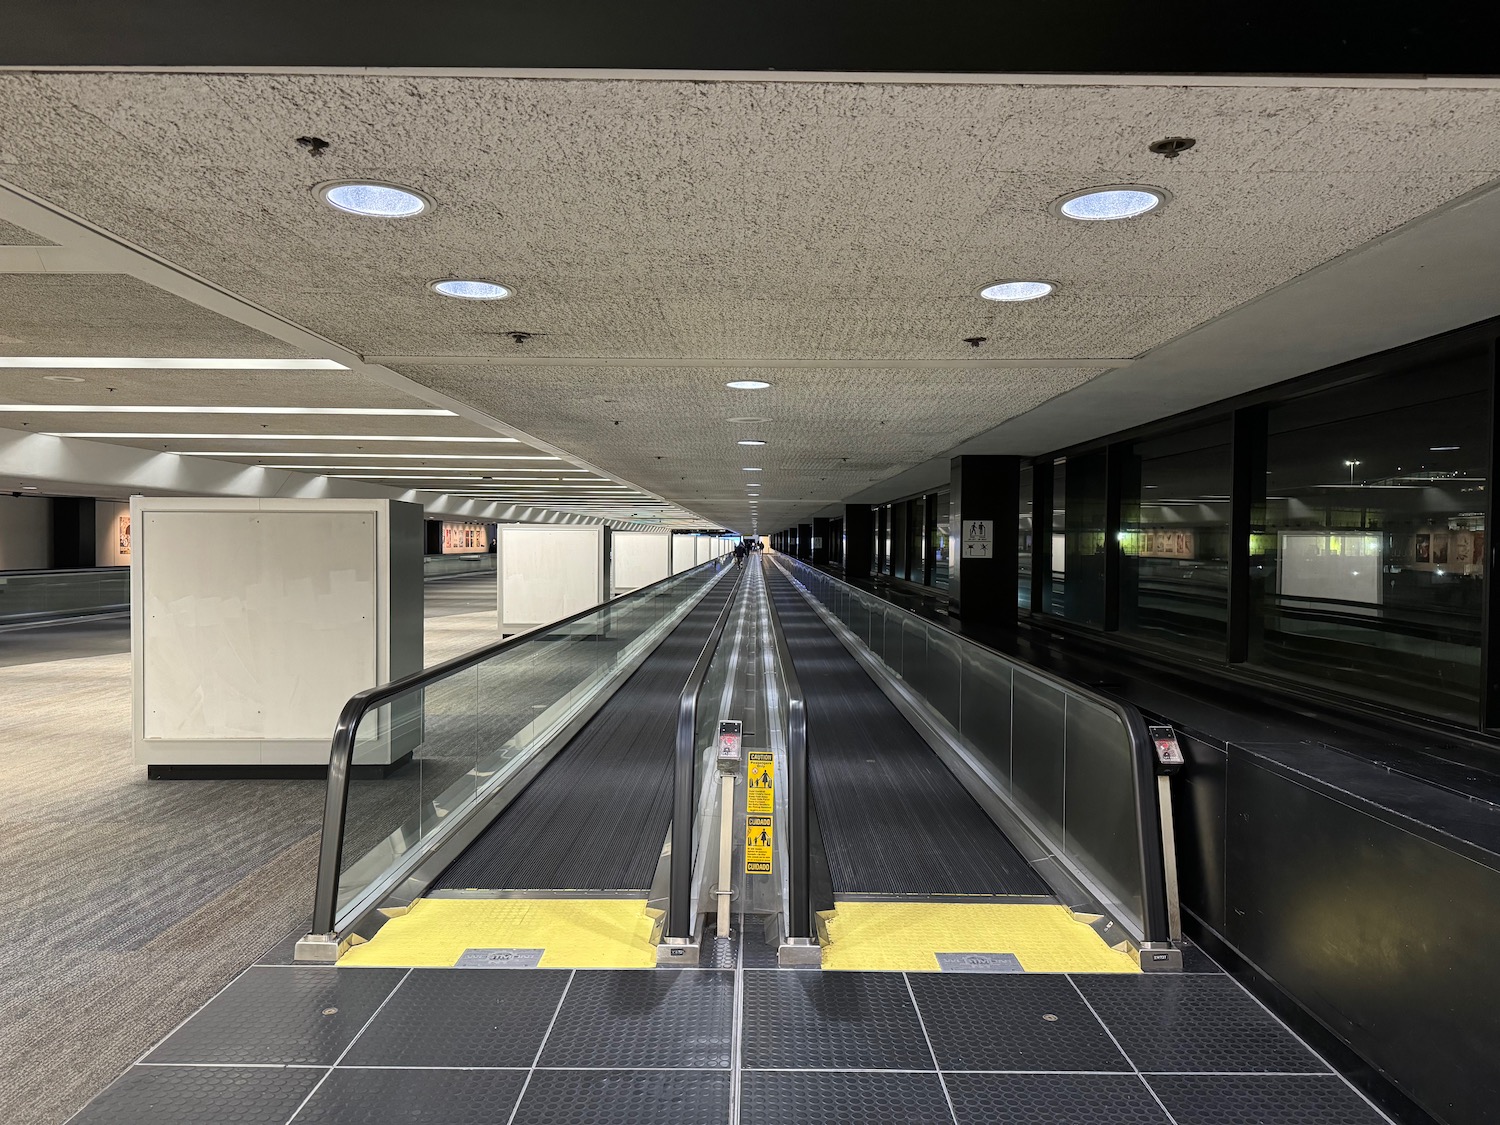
[1154,923]
[799,919]
[684,792]
[341,753]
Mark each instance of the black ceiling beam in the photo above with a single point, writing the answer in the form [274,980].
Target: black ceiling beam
[966,36]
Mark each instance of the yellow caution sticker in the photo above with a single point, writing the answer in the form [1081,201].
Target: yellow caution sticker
[758,845]
[760,792]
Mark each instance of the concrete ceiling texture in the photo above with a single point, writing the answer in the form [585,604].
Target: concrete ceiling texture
[665,236]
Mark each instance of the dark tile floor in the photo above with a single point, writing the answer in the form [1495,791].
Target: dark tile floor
[297,1045]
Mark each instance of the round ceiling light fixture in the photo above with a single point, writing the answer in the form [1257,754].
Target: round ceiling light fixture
[1118,201]
[468,290]
[1017,290]
[747,384]
[750,441]
[374,199]
[62,378]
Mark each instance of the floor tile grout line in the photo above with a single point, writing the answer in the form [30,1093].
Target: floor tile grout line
[540,1047]
[1331,1069]
[737,1031]
[318,1085]
[932,1051]
[1141,1078]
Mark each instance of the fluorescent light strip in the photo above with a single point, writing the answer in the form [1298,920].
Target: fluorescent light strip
[434,469]
[22,408]
[389,456]
[42,362]
[273,437]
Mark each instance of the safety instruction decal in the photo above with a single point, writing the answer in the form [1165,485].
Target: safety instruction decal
[760,789]
[757,845]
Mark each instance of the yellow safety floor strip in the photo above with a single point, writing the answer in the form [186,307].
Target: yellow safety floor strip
[874,936]
[576,933]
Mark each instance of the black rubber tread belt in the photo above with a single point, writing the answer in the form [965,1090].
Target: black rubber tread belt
[594,819]
[894,819]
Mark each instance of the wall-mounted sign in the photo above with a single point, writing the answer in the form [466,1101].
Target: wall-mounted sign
[1161,544]
[461,537]
[979,539]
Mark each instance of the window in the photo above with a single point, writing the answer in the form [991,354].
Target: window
[916,540]
[1174,538]
[1083,488]
[940,540]
[1057,588]
[1023,541]
[1368,567]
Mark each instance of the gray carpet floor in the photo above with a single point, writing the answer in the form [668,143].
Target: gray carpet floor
[126,903]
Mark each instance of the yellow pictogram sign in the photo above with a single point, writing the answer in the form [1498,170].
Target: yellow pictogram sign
[758,845]
[760,790]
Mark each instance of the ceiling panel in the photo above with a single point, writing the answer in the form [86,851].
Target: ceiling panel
[12,235]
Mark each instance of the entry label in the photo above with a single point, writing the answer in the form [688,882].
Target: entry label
[760,790]
[758,845]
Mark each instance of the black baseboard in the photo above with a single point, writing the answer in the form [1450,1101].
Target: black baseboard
[249,772]
[1371,1082]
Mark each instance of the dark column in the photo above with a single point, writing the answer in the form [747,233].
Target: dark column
[804,541]
[822,528]
[434,532]
[73,532]
[859,540]
[1247,515]
[985,498]
[900,513]
[1041,537]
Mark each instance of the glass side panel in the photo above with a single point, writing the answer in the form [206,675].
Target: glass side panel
[430,753]
[1370,557]
[1174,538]
[44,593]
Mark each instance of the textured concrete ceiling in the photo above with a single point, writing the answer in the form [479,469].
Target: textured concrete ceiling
[12,235]
[754,221]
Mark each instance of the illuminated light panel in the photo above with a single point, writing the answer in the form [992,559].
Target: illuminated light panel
[470,290]
[271,437]
[440,469]
[137,362]
[747,384]
[1103,204]
[389,412]
[391,456]
[1017,290]
[374,199]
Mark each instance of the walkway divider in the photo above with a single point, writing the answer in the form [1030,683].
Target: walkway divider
[800,924]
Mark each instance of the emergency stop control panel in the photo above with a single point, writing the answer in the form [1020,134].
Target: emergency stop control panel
[1168,753]
[730,739]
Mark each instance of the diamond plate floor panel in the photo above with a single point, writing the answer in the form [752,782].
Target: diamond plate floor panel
[462,1017]
[1012,1022]
[1262,1099]
[191,1095]
[668,1018]
[853,1021]
[281,1015]
[625,1097]
[422,1097]
[1168,1022]
[831,1097]
[1057,1099]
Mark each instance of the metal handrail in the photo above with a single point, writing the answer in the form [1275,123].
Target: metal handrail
[799,919]
[341,753]
[684,796]
[1154,920]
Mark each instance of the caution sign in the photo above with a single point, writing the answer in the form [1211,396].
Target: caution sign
[758,845]
[760,790]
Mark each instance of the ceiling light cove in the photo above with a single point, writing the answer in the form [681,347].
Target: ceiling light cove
[162,363]
[470,290]
[34,408]
[747,384]
[1119,201]
[750,441]
[374,199]
[1017,290]
[751,469]
[272,437]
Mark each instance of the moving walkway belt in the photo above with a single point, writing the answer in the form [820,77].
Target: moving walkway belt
[594,819]
[894,819]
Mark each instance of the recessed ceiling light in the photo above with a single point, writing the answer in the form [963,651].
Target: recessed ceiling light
[1442,448]
[750,441]
[750,469]
[1016,290]
[28,488]
[747,384]
[470,290]
[1121,201]
[136,362]
[377,200]
[750,420]
[62,378]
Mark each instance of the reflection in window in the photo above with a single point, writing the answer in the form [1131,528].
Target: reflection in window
[916,540]
[1084,538]
[1369,563]
[1023,542]
[940,540]
[1057,590]
[1174,538]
